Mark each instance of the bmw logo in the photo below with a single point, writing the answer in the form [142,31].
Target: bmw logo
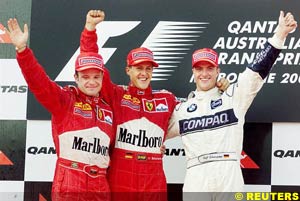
[192,108]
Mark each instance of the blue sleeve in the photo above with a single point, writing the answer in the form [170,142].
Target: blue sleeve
[264,60]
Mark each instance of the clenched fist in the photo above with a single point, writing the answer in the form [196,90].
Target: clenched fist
[93,18]
[223,84]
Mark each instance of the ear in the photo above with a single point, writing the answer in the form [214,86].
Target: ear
[127,70]
[194,71]
[76,78]
[218,70]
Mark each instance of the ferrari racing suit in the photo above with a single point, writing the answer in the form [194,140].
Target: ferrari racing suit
[81,130]
[211,127]
[140,123]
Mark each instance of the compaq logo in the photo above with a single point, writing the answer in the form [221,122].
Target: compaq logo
[219,119]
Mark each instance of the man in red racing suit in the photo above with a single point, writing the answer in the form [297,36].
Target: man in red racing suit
[81,122]
[141,118]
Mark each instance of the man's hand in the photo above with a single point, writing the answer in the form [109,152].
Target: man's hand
[286,24]
[163,149]
[93,18]
[222,84]
[18,37]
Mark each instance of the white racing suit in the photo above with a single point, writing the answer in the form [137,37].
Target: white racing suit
[211,127]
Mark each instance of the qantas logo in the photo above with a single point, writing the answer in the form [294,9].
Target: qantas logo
[41,150]
[4,160]
[13,89]
[42,198]
[247,162]
[169,41]
[287,153]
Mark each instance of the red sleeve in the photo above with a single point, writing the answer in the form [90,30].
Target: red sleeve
[175,101]
[47,92]
[88,41]
[109,90]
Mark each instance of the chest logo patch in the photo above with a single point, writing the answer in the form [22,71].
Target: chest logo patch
[99,114]
[83,109]
[192,108]
[149,106]
[215,103]
[155,105]
[105,116]
[130,102]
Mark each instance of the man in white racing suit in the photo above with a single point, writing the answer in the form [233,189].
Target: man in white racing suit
[211,123]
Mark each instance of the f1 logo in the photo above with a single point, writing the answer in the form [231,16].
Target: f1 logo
[105,30]
[169,41]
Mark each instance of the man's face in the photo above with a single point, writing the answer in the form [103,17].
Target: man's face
[205,76]
[140,75]
[89,81]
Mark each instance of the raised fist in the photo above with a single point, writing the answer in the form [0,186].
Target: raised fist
[93,18]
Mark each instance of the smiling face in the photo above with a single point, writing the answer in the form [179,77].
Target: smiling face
[89,81]
[205,76]
[140,75]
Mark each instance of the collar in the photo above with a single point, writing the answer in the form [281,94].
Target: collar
[92,100]
[202,94]
[133,90]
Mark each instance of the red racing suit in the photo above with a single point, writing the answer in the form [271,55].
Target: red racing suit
[140,123]
[82,134]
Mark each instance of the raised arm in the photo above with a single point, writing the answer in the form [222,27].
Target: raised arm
[45,90]
[251,80]
[264,62]
[88,40]
[88,43]
[18,38]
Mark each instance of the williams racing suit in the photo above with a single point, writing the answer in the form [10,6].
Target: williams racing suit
[82,133]
[211,127]
[140,123]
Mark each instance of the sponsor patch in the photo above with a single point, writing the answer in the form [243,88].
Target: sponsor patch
[215,103]
[129,156]
[139,92]
[201,55]
[156,158]
[82,106]
[192,108]
[105,116]
[130,104]
[226,156]
[140,139]
[85,114]
[141,55]
[74,165]
[155,105]
[95,146]
[90,61]
[209,122]
[142,157]
[149,105]
[132,99]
